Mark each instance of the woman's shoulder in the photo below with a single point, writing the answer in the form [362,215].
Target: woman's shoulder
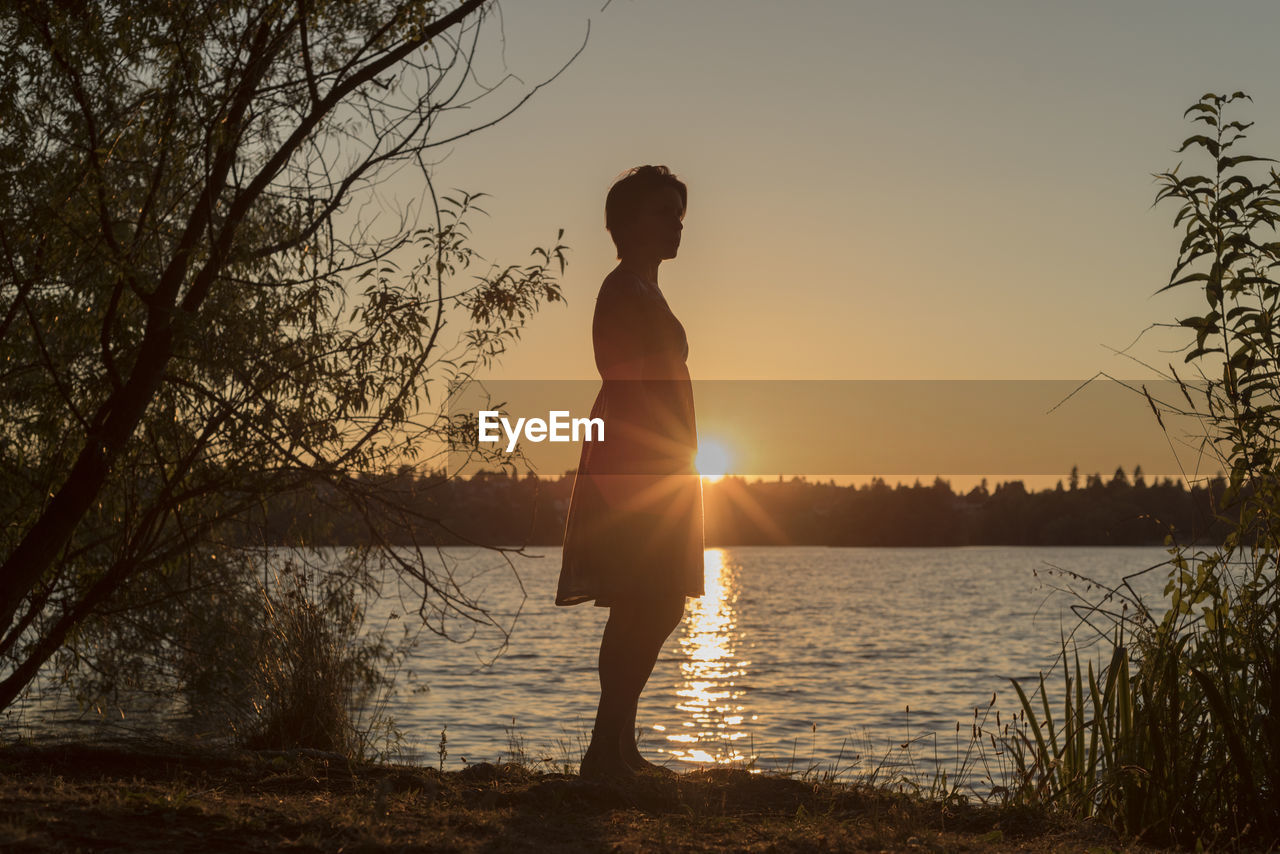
[624,285]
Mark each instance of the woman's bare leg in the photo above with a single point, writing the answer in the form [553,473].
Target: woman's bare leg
[631,752]
[617,651]
[666,619]
[633,637]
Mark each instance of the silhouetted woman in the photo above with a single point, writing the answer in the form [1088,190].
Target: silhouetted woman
[633,541]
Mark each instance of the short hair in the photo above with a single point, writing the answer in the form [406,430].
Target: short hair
[622,205]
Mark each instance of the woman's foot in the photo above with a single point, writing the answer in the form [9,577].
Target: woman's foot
[640,765]
[599,765]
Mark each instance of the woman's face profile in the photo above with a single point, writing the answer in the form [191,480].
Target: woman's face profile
[655,231]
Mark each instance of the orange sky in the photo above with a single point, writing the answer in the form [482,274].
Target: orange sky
[877,190]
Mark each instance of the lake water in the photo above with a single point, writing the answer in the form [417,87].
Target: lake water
[797,658]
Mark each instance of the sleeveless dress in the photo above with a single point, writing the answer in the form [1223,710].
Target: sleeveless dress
[634,529]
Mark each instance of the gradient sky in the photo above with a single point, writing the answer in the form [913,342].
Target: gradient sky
[878,190]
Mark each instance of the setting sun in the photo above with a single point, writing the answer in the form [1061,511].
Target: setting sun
[712,461]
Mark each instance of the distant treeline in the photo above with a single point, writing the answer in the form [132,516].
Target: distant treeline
[502,509]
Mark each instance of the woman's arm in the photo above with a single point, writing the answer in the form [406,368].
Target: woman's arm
[623,327]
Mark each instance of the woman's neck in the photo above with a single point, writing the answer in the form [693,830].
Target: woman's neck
[646,269]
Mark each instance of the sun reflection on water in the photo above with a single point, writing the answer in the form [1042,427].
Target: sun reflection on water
[711,672]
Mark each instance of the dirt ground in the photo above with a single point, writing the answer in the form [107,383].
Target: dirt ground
[83,798]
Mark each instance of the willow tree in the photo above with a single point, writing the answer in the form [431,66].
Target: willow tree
[194,314]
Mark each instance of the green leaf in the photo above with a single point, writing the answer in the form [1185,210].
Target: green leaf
[1201,107]
[1208,143]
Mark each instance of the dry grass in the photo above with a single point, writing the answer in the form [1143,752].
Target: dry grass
[76,798]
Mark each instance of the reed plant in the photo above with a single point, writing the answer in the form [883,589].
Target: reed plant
[1085,749]
[1177,738]
[318,679]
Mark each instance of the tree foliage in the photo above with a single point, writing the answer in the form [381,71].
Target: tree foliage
[195,311]
[501,508]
